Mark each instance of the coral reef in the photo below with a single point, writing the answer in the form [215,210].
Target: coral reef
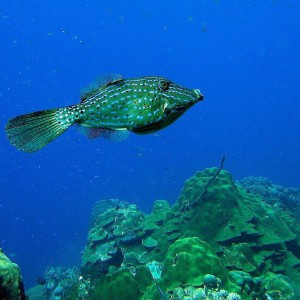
[120,284]
[220,240]
[277,195]
[114,239]
[59,281]
[191,268]
[11,284]
[188,261]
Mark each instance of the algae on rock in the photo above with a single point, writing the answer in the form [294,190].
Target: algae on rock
[11,284]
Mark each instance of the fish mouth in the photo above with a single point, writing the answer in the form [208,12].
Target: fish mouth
[199,95]
[181,108]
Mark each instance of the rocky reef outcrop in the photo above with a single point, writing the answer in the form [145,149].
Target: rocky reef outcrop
[220,240]
[247,232]
[11,284]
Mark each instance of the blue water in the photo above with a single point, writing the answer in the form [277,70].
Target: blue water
[243,55]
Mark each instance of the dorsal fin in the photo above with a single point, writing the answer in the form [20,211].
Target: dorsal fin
[98,84]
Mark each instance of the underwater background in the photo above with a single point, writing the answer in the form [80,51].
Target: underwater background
[244,57]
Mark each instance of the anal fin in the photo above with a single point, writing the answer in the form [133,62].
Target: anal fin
[114,135]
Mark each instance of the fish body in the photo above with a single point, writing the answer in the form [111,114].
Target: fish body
[111,108]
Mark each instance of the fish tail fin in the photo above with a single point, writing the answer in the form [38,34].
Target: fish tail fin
[33,131]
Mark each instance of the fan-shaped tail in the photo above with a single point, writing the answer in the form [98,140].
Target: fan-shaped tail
[33,131]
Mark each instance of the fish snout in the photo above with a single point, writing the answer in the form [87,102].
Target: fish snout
[199,95]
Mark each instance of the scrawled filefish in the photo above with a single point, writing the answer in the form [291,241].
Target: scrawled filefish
[111,108]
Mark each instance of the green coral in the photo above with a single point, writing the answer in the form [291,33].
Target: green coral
[159,211]
[277,287]
[243,280]
[190,263]
[188,260]
[240,257]
[119,285]
[231,218]
[149,242]
[211,281]
[143,278]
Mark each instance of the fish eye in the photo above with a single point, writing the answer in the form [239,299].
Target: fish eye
[163,85]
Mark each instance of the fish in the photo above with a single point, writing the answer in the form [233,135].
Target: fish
[111,107]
